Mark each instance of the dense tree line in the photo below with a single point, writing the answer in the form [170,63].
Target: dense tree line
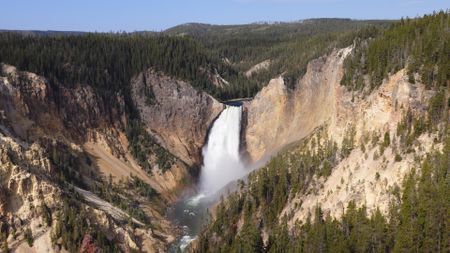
[73,224]
[250,44]
[143,146]
[108,61]
[421,45]
[290,46]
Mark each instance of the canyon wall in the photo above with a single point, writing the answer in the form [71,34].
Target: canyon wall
[369,174]
[278,116]
[48,134]
[175,113]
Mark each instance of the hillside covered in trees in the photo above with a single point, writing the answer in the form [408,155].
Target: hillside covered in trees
[195,53]
[107,62]
[422,45]
[417,222]
[289,46]
[256,218]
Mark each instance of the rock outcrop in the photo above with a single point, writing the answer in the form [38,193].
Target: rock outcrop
[264,65]
[278,116]
[55,137]
[175,113]
[26,103]
[33,109]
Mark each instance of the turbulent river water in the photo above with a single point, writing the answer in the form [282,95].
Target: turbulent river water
[221,165]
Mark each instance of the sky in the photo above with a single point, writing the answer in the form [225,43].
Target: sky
[153,15]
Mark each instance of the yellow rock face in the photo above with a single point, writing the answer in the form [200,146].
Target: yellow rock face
[279,116]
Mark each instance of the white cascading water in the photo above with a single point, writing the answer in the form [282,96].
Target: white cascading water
[221,165]
[221,159]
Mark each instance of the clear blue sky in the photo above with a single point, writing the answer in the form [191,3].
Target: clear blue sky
[137,15]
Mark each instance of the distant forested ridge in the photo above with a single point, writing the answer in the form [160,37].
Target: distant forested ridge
[107,62]
[195,53]
[290,46]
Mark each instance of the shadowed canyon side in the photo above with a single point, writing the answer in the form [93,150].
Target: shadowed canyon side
[278,116]
[175,113]
[75,137]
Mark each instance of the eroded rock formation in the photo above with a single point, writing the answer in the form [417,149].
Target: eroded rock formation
[68,133]
[278,116]
[175,113]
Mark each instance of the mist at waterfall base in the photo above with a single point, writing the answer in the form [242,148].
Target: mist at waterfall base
[221,165]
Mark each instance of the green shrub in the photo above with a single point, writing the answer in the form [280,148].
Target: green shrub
[46,215]
[29,237]
[436,108]
[4,238]
[377,176]
[398,157]
[142,145]
[348,142]
[386,139]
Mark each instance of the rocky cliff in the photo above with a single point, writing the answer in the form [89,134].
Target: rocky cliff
[175,113]
[57,140]
[278,116]
[371,171]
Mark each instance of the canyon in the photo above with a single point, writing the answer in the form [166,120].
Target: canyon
[41,131]
[37,137]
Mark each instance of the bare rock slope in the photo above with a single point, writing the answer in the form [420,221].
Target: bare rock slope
[175,113]
[278,116]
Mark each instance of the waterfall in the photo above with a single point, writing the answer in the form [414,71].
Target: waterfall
[221,159]
[221,165]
